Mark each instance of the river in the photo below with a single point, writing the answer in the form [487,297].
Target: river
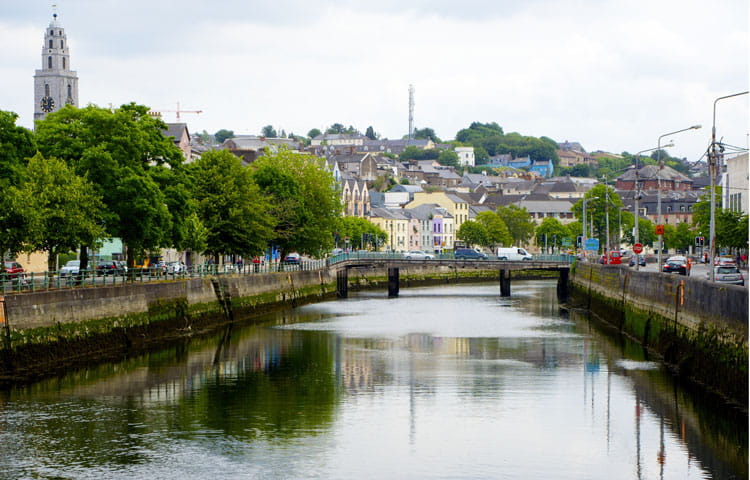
[449,382]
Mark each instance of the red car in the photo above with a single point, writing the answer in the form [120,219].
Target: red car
[13,270]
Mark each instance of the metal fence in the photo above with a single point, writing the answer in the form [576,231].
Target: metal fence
[42,281]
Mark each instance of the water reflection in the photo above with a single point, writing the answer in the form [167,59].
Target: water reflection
[449,381]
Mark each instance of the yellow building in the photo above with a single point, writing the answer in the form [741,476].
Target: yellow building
[395,224]
[452,203]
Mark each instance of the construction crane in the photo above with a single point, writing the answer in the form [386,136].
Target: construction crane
[158,113]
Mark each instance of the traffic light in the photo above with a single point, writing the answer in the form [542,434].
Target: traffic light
[579,240]
[699,241]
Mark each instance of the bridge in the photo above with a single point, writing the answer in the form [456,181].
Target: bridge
[392,264]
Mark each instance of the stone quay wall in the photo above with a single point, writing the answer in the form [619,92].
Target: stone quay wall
[699,328]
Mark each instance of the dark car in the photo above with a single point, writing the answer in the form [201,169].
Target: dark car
[677,264]
[641,261]
[469,254]
[110,267]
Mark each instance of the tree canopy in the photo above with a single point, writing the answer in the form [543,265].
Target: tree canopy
[493,141]
[230,206]
[518,221]
[304,199]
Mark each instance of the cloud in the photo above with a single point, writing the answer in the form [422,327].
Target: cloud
[611,74]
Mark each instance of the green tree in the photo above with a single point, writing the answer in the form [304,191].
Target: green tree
[426,133]
[552,231]
[223,134]
[314,133]
[68,208]
[473,233]
[360,232]
[16,145]
[448,158]
[370,133]
[519,223]
[600,201]
[236,215]
[269,132]
[336,128]
[124,153]
[498,232]
[680,237]
[18,218]
[304,199]
[415,153]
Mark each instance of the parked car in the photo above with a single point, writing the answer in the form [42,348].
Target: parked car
[727,274]
[513,253]
[293,259]
[71,267]
[418,255]
[469,254]
[111,267]
[678,264]
[176,268]
[641,261]
[724,260]
[13,270]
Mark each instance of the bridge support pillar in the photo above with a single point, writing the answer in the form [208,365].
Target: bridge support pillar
[342,283]
[562,286]
[392,282]
[505,283]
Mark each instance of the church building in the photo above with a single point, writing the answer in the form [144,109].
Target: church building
[55,84]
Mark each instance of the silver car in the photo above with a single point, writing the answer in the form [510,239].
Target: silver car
[418,255]
[70,268]
[727,274]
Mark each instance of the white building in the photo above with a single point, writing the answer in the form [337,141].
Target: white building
[465,156]
[55,84]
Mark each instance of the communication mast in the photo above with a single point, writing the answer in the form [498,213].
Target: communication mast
[411,111]
[158,113]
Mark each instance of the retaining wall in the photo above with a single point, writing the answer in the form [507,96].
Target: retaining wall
[697,327]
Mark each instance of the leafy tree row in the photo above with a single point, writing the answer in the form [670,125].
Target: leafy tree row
[92,173]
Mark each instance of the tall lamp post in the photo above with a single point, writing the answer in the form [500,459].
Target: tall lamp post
[583,237]
[658,193]
[636,194]
[713,163]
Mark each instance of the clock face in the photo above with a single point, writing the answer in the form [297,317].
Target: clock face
[47,104]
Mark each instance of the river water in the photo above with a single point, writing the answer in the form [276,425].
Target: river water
[446,382]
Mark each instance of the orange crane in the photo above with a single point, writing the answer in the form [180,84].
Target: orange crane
[158,113]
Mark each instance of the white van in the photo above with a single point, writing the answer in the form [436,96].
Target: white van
[513,253]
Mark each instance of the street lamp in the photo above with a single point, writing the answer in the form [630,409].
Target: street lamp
[658,179]
[619,225]
[583,237]
[636,194]
[712,169]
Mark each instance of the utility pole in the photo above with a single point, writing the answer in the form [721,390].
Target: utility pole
[713,163]
[637,190]
[606,217]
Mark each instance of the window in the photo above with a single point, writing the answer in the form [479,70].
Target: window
[62,43]
[50,43]
[70,92]
[46,90]
[63,63]
[49,62]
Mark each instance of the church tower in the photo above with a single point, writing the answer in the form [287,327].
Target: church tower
[55,84]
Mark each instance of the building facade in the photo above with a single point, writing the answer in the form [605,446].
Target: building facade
[55,84]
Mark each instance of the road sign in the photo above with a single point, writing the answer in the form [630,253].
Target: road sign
[659,229]
[637,248]
[592,244]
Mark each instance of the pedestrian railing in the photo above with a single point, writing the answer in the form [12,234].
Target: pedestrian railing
[42,281]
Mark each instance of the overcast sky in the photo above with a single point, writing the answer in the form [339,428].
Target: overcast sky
[613,75]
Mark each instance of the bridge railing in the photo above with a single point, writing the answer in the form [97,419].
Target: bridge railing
[40,281]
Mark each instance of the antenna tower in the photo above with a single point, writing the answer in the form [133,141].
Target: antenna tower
[411,111]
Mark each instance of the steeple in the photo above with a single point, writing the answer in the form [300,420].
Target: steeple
[55,84]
